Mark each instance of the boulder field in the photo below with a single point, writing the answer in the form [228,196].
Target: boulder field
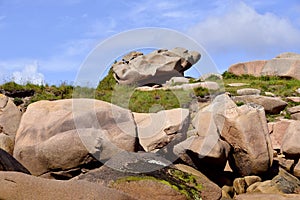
[216,148]
[123,155]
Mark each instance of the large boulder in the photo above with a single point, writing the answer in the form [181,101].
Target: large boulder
[284,65]
[198,151]
[252,148]
[210,190]
[290,142]
[157,130]
[19,186]
[156,67]
[272,105]
[254,68]
[149,176]
[252,152]
[10,117]
[277,131]
[63,135]
[205,147]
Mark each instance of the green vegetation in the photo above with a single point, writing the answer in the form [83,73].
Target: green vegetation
[153,101]
[277,85]
[63,91]
[182,182]
[18,101]
[239,103]
[144,101]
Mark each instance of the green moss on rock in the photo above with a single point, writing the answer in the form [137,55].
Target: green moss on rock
[182,182]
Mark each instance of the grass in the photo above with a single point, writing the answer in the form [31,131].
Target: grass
[153,101]
[277,85]
[144,101]
[41,92]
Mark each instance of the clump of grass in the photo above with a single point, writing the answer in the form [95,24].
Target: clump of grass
[201,92]
[239,103]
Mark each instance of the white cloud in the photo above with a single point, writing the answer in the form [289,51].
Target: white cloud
[240,27]
[29,74]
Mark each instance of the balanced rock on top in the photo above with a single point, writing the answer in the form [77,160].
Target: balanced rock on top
[154,68]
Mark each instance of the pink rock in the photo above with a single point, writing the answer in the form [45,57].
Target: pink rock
[277,132]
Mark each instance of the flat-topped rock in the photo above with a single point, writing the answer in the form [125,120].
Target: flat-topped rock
[237,84]
[248,91]
[294,99]
[284,65]
[272,105]
[210,85]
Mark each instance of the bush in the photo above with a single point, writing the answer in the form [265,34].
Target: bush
[18,101]
[201,92]
[11,86]
[228,75]
[108,83]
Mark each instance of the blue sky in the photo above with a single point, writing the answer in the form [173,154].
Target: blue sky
[48,40]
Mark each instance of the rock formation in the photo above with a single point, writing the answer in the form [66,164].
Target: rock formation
[154,68]
[217,147]
[10,117]
[62,135]
[284,65]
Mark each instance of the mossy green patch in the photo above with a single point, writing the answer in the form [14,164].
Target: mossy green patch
[180,181]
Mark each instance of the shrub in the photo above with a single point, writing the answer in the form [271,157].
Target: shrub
[11,86]
[108,83]
[228,75]
[18,101]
